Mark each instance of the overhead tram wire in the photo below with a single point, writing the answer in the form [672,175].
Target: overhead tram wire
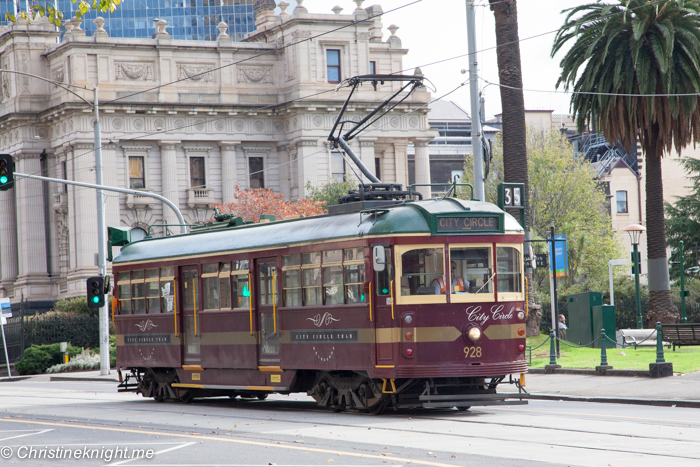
[353,23]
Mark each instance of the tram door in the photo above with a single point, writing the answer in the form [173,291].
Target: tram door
[385,324]
[267,296]
[191,308]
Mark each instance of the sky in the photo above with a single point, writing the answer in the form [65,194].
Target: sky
[434,30]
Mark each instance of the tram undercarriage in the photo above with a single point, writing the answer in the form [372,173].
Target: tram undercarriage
[340,390]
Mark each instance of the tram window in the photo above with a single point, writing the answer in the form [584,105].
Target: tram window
[152,291]
[291,271]
[312,286]
[167,289]
[190,289]
[313,257]
[124,287]
[471,270]
[354,266]
[333,285]
[267,283]
[225,286]
[420,268]
[311,278]
[210,286]
[384,277]
[240,290]
[332,256]
[509,270]
[138,292]
[241,266]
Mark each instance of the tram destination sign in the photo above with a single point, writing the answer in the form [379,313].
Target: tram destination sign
[147,339]
[477,224]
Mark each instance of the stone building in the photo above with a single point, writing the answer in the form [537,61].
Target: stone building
[186,119]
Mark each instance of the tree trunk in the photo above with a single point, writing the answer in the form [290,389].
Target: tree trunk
[512,106]
[660,306]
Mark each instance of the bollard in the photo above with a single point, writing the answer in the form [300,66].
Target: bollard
[659,344]
[603,353]
[552,352]
[661,368]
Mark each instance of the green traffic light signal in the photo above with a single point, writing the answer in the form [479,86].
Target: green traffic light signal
[6,172]
[3,179]
[95,299]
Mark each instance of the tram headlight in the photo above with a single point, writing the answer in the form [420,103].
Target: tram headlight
[521,315]
[474,334]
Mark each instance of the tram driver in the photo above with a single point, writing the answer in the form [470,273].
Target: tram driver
[458,283]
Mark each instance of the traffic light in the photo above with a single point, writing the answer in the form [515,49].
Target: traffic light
[95,292]
[7,176]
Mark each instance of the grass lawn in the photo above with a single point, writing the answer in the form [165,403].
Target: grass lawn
[685,359]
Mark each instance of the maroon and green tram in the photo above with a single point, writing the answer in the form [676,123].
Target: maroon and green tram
[415,304]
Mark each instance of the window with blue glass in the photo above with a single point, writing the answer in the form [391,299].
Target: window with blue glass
[333,65]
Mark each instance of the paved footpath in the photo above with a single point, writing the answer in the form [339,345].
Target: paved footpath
[682,390]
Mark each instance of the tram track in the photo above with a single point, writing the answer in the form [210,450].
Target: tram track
[238,418]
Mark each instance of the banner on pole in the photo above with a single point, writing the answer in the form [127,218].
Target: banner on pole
[562,256]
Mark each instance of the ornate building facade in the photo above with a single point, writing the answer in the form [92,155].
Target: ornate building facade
[189,120]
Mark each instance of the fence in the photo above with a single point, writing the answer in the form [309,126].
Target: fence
[625,314]
[31,328]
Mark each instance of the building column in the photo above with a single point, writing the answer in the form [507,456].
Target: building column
[367,155]
[229,172]
[32,277]
[401,162]
[82,212]
[422,167]
[307,169]
[8,246]
[109,165]
[168,166]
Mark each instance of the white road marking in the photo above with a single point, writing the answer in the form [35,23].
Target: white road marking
[26,434]
[183,445]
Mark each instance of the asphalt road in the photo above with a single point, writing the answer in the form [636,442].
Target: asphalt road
[40,418]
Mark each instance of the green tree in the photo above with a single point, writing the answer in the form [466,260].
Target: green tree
[565,194]
[683,219]
[47,8]
[635,68]
[330,192]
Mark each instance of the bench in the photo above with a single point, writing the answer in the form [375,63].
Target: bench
[681,334]
[637,337]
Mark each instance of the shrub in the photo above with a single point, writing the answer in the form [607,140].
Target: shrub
[82,362]
[77,306]
[38,358]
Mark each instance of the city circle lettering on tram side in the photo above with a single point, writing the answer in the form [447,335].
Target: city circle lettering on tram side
[467,224]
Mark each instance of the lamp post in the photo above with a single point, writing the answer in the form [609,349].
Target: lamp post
[635,231]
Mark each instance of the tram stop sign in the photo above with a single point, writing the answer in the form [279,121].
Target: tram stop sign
[5,309]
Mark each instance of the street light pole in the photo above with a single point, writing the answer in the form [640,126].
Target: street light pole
[474,96]
[635,232]
[684,318]
[101,240]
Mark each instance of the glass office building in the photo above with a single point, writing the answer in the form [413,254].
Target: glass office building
[187,19]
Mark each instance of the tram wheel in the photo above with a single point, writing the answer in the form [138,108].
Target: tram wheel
[262,397]
[462,409]
[186,397]
[379,407]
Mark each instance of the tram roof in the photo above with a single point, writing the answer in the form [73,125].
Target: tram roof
[419,217]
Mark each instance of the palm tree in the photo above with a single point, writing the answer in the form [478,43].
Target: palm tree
[635,66]
[513,106]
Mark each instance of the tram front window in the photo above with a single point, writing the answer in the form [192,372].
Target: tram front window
[420,268]
[471,270]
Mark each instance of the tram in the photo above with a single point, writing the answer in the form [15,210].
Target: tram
[403,304]
[386,301]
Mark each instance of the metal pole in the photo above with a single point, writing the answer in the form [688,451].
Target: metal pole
[684,318]
[4,343]
[610,277]
[636,285]
[183,225]
[101,240]
[554,287]
[660,343]
[474,97]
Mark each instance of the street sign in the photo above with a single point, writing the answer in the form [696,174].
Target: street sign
[562,256]
[5,308]
[541,260]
